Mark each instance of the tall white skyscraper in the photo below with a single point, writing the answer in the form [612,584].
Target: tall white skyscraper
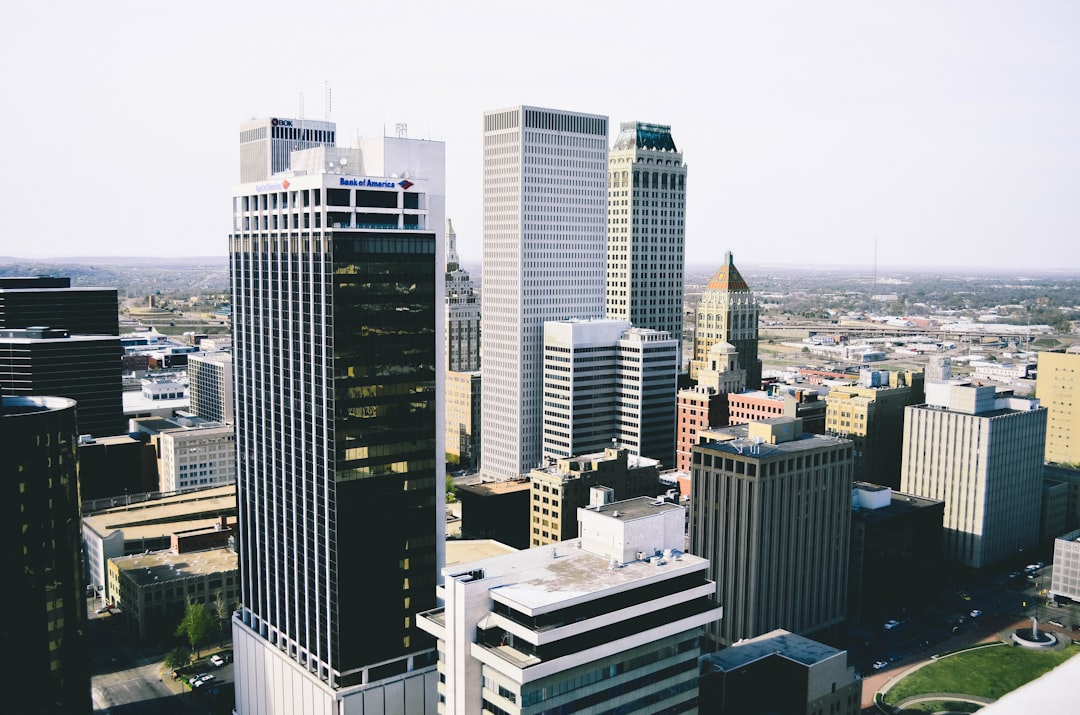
[545,207]
[646,236]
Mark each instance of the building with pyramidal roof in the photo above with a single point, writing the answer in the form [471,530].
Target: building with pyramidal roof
[728,313]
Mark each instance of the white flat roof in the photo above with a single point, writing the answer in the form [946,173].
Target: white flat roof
[542,579]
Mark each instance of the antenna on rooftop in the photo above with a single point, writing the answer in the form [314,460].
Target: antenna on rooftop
[328,102]
[296,144]
[402,130]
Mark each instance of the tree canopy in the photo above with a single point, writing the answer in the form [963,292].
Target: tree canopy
[196,625]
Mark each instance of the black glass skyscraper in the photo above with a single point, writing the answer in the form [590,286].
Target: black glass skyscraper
[337,355]
[44,627]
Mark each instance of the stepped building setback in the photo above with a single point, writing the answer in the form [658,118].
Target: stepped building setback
[611,619]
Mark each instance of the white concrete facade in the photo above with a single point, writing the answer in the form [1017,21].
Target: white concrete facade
[545,206]
[606,383]
[210,388]
[268,681]
[266,144]
[197,457]
[982,455]
[575,626]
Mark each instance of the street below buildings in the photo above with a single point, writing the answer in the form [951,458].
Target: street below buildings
[129,678]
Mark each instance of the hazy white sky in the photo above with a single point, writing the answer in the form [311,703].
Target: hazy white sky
[950,131]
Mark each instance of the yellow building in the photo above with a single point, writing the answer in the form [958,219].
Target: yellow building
[559,490]
[728,312]
[871,414]
[153,590]
[1058,390]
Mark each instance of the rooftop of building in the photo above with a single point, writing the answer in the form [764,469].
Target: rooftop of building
[506,486]
[13,406]
[135,403]
[463,551]
[222,356]
[108,441]
[633,461]
[539,579]
[642,135]
[45,334]
[739,442]
[727,277]
[165,566]
[167,515]
[635,508]
[900,503]
[780,643]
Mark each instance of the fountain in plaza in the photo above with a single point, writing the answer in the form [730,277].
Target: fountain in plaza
[1033,637]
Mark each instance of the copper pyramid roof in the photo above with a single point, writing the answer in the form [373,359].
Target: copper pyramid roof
[727,277]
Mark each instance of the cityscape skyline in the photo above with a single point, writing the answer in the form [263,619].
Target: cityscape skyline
[838,134]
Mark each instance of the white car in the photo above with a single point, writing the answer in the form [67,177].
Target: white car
[217,660]
[891,623]
[975,613]
[878,665]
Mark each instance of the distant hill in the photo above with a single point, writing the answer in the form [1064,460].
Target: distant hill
[131,276]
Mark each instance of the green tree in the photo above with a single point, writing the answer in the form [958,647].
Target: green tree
[451,490]
[196,625]
[221,614]
[178,657]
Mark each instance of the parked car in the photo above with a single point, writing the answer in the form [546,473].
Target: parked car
[878,665]
[217,660]
[975,613]
[891,623]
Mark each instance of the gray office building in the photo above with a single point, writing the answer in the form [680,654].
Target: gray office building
[772,513]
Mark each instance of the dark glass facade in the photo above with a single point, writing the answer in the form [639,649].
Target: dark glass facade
[84,368]
[52,302]
[335,350]
[40,554]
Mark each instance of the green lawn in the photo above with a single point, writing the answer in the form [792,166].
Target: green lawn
[990,672]
[937,706]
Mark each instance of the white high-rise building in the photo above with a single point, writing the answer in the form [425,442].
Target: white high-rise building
[646,234]
[266,144]
[202,456]
[210,386]
[608,622]
[607,383]
[462,312]
[983,456]
[545,207]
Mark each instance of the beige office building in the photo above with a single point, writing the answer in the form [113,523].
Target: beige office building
[982,455]
[1058,390]
[559,490]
